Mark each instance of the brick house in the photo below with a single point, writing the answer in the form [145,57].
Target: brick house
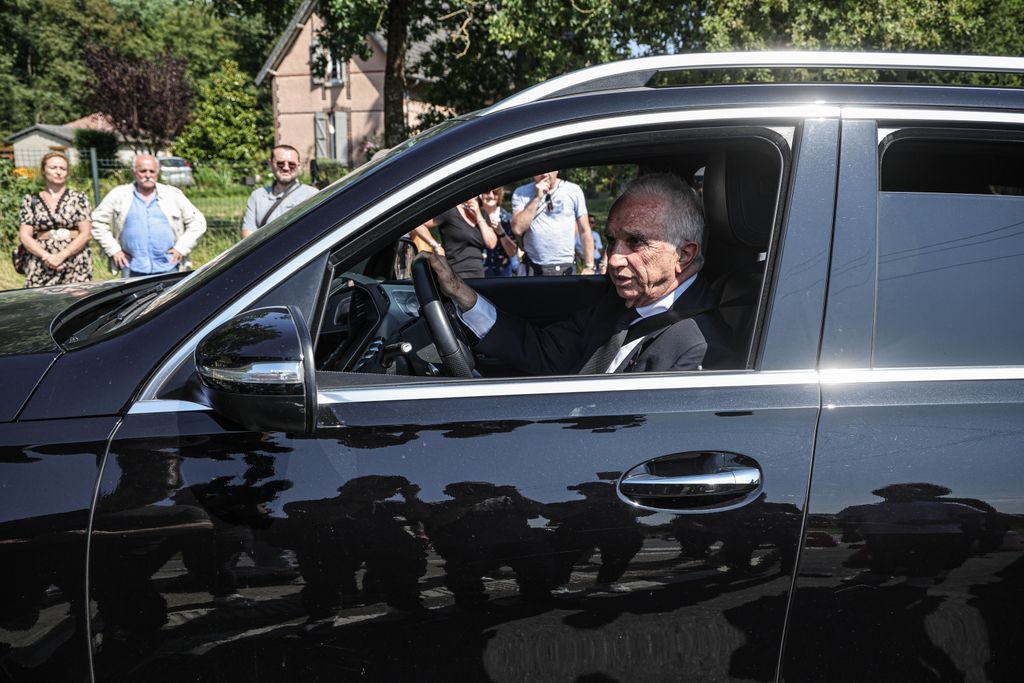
[331,115]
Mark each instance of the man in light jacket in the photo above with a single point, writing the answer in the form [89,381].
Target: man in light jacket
[147,227]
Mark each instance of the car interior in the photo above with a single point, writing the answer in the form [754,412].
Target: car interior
[370,329]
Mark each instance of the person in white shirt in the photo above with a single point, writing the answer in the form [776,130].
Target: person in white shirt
[549,214]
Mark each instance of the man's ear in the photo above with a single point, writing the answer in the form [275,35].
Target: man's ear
[687,253]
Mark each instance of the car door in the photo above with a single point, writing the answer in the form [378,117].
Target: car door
[913,563]
[484,528]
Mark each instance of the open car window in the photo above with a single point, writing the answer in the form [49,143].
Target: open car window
[370,327]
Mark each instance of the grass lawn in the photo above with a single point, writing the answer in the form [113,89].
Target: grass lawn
[213,242]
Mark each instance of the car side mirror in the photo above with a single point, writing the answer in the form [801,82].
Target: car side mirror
[257,370]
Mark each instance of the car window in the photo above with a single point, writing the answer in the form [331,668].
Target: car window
[950,253]
[366,320]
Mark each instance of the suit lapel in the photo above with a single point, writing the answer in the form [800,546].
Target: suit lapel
[697,299]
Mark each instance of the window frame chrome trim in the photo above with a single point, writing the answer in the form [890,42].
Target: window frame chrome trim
[833,376]
[886,115]
[159,406]
[483,388]
[421,185]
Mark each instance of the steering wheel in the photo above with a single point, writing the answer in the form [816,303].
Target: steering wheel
[439,312]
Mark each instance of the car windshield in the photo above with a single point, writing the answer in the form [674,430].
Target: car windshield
[232,255]
[176,163]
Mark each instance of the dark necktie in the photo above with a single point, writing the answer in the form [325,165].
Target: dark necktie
[605,354]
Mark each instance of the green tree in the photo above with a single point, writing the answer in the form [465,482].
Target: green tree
[347,23]
[226,123]
[483,51]
[41,57]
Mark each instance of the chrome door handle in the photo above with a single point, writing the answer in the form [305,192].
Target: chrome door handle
[736,480]
[692,482]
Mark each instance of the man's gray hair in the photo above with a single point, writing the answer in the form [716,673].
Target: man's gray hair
[144,155]
[684,216]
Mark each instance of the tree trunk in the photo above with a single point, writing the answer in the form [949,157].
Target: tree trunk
[394,73]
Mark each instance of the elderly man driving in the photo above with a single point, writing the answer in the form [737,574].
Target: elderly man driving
[659,314]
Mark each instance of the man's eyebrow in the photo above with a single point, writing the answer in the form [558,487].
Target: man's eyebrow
[635,233]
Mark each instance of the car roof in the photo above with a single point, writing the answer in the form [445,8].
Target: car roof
[644,72]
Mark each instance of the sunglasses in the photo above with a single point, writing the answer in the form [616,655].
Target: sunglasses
[550,204]
[284,165]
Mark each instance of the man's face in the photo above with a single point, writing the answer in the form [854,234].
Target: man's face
[551,177]
[285,165]
[146,171]
[641,264]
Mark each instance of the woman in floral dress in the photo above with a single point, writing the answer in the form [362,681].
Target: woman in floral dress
[55,229]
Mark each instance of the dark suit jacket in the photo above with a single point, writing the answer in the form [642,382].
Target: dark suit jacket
[700,340]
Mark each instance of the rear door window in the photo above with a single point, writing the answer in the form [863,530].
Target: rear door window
[950,253]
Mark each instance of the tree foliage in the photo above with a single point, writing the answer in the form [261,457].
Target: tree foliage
[43,73]
[226,125]
[483,51]
[148,101]
[103,141]
[346,26]
[41,63]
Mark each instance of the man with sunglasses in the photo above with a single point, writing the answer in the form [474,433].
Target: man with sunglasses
[549,213]
[267,203]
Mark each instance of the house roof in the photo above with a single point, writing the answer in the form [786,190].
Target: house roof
[63,132]
[294,28]
[94,121]
[284,43]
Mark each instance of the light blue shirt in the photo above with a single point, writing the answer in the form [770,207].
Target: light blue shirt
[551,238]
[148,236]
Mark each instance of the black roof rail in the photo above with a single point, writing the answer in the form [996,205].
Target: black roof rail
[634,73]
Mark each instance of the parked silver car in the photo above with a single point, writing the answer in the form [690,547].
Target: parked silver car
[175,171]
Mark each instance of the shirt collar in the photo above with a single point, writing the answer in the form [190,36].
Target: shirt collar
[289,186]
[135,191]
[666,302]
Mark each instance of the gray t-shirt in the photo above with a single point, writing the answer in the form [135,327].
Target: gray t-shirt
[551,239]
[263,198]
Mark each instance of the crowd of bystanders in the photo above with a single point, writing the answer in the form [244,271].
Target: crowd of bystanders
[146,227]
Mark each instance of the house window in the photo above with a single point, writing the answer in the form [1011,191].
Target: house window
[335,69]
[330,133]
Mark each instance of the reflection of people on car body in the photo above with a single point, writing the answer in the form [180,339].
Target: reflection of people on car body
[659,313]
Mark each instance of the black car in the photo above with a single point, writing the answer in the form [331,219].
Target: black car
[282,466]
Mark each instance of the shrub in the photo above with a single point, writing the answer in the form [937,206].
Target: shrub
[13,186]
[327,171]
[104,141]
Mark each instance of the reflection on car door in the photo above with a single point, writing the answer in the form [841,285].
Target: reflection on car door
[914,566]
[473,530]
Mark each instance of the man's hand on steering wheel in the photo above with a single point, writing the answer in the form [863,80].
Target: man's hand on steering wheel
[433,279]
[450,284]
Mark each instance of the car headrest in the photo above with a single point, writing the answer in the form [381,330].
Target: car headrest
[741,189]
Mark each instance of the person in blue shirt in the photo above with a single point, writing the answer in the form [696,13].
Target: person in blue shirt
[146,227]
[502,260]
[600,266]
